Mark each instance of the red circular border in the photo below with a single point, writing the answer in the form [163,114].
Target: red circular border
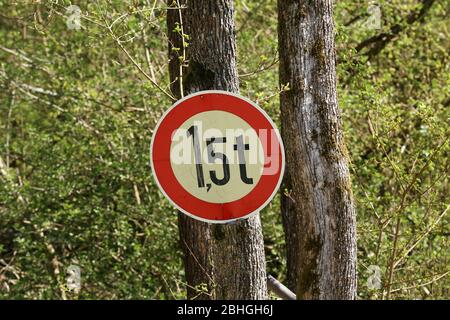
[160,157]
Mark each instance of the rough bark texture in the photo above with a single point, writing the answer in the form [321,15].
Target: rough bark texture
[317,205]
[290,226]
[229,259]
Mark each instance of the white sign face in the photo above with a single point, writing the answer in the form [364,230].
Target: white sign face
[217,156]
[229,153]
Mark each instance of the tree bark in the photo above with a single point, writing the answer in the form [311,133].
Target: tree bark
[317,205]
[227,259]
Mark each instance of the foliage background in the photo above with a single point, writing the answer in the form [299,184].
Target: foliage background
[76,118]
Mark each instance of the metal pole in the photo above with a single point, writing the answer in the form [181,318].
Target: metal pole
[279,289]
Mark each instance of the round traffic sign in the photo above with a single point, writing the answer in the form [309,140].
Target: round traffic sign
[217,156]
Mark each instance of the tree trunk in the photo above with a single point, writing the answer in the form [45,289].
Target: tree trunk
[227,259]
[317,205]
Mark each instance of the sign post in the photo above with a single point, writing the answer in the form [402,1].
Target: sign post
[217,156]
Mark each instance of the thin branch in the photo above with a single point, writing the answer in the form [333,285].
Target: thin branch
[423,284]
[183,48]
[138,66]
[8,124]
[119,43]
[16,53]
[261,67]
[401,207]
[411,248]
[198,262]
[378,42]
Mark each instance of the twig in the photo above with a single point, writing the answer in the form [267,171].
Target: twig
[183,48]
[423,284]
[401,207]
[8,123]
[198,262]
[261,68]
[147,56]
[405,254]
[379,42]
[137,65]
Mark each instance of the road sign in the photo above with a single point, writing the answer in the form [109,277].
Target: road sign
[217,156]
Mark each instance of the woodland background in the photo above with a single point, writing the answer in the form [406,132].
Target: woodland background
[76,118]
